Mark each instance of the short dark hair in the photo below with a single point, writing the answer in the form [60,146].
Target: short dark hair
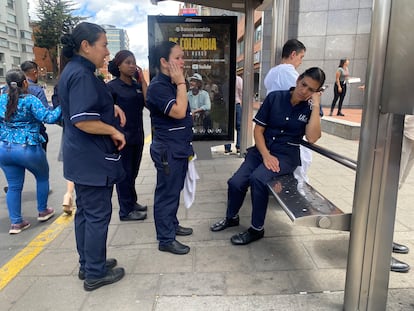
[291,46]
[342,61]
[28,65]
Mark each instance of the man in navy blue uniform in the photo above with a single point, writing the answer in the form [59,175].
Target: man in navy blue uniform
[171,142]
[281,122]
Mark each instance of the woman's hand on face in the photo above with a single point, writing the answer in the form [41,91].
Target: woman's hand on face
[271,163]
[176,73]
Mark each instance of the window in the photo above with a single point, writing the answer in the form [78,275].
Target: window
[11,18]
[4,43]
[25,34]
[10,4]
[2,58]
[1,72]
[11,32]
[258,33]
[13,46]
[3,28]
[16,60]
[27,48]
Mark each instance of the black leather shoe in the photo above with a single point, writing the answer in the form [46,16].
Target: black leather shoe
[112,276]
[399,266]
[225,223]
[183,231]
[109,264]
[174,247]
[399,248]
[247,237]
[340,114]
[134,215]
[140,208]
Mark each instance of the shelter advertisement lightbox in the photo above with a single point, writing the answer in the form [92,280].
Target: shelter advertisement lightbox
[209,45]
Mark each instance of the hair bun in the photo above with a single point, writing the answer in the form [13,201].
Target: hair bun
[67,40]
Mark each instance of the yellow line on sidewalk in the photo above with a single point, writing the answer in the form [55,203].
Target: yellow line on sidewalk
[10,270]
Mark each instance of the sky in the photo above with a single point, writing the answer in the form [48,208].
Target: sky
[130,15]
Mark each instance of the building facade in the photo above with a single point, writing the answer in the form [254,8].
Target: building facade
[16,44]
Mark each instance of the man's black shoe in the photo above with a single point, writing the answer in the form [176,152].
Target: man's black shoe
[225,223]
[399,248]
[109,264]
[183,231]
[140,208]
[112,276]
[399,266]
[174,247]
[247,237]
[134,215]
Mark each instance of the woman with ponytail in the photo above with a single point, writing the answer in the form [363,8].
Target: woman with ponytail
[21,116]
[91,146]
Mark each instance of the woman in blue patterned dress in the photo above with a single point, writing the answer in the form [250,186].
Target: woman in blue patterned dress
[21,115]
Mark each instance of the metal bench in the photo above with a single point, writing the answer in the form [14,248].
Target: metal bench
[304,205]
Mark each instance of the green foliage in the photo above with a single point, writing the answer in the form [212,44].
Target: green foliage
[56,18]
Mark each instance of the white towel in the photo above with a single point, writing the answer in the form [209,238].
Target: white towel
[190,183]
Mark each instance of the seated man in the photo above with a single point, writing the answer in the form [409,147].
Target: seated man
[200,103]
[281,122]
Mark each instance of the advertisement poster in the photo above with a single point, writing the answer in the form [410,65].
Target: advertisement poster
[209,45]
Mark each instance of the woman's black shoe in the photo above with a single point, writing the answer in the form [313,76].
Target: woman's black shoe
[399,248]
[247,237]
[174,247]
[183,231]
[225,223]
[109,264]
[112,276]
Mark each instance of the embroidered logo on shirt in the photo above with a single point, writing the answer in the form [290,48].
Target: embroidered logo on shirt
[303,118]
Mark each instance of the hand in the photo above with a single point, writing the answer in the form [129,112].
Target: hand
[271,163]
[119,140]
[176,73]
[121,114]
[339,89]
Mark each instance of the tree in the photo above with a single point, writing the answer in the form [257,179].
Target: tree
[55,19]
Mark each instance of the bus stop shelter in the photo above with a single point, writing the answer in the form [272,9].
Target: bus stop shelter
[385,104]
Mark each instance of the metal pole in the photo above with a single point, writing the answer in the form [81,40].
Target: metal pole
[248,79]
[279,30]
[376,186]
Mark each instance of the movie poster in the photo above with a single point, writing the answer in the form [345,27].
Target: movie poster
[209,45]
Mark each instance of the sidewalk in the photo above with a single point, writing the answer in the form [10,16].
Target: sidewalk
[292,268]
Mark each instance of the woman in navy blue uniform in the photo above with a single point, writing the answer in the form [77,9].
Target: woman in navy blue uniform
[281,122]
[129,90]
[91,145]
[171,145]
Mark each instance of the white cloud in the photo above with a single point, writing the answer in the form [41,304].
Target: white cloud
[126,14]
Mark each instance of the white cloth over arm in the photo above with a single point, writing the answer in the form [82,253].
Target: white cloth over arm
[190,183]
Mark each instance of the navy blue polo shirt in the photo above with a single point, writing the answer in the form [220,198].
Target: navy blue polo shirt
[88,159]
[284,124]
[175,133]
[131,100]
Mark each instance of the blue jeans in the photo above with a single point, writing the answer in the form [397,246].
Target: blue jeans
[14,160]
[227,147]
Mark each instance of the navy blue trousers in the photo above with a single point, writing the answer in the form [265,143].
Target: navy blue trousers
[93,214]
[170,182]
[127,195]
[252,173]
